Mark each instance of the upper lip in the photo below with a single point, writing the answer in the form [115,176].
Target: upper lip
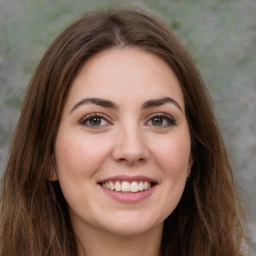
[128,178]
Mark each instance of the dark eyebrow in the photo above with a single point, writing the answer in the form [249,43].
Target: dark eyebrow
[96,101]
[160,102]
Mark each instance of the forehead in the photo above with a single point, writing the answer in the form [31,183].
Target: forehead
[122,75]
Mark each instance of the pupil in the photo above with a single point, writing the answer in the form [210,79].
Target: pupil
[95,121]
[157,121]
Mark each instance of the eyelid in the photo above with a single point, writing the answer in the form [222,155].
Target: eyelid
[85,118]
[170,118]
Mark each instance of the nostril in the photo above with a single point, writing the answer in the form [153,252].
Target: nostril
[133,161]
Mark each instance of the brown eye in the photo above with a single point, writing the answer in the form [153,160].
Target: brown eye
[161,120]
[157,121]
[95,121]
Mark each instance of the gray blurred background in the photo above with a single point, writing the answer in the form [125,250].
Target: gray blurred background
[220,35]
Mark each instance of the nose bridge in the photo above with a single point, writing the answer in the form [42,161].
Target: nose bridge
[131,146]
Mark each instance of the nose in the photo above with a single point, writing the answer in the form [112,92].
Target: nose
[130,147]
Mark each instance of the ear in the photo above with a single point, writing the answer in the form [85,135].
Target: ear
[190,164]
[51,175]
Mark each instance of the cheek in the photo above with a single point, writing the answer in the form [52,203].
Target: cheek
[78,154]
[172,156]
[174,152]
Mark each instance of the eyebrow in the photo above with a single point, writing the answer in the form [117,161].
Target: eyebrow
[97,101]
[109,104]
[160,102]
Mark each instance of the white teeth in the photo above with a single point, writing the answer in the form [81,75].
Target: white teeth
[111,185]
[134,186]
[141,186]
[126,186]
[145,185]
[118,186]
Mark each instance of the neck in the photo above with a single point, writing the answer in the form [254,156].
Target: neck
[98,243]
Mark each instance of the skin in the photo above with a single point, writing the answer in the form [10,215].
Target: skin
[129,139]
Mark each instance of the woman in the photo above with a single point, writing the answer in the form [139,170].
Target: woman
[117,150]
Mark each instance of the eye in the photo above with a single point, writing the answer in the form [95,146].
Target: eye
[94,121]
[161,120]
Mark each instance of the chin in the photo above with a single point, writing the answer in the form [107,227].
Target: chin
[132,225]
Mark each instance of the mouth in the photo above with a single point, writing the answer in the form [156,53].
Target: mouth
[128,189]
[127,186]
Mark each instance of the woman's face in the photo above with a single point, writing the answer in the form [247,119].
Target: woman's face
[123,144]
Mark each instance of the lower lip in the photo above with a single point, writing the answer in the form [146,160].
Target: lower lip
[129,197]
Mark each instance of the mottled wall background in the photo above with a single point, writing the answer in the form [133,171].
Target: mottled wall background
[220,35]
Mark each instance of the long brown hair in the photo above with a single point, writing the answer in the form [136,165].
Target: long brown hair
[34,216]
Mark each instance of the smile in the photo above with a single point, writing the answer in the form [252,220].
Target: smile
[126,186]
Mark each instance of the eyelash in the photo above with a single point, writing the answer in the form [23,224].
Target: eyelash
[90,117]
[170,120]
[163,117]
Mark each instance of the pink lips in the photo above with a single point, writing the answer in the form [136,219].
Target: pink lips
[128,197]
